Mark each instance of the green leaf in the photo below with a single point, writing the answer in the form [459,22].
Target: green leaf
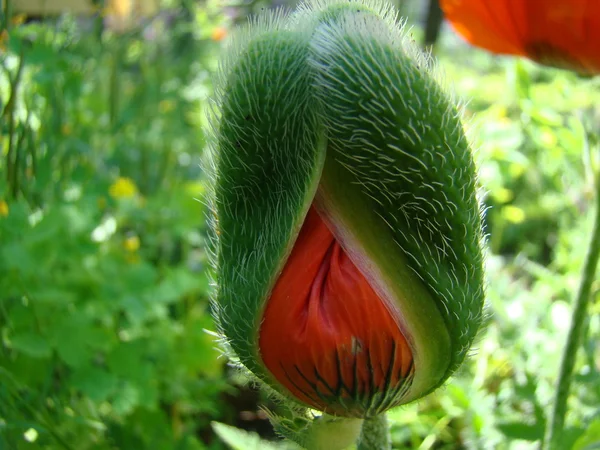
[127,399]
[197,348]
[135,309]
[590,439]
[51,295]
[521,79]
[177,284]
[520,430]
[126,360]
[16,257]
[48,228]
[31,344]
[16,222]
[70,337]
[238,439]
[96,383]
[139,276]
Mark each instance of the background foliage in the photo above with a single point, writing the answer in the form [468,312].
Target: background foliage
[103,286]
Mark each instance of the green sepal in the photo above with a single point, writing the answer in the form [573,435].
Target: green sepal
[267,160]
[399,186]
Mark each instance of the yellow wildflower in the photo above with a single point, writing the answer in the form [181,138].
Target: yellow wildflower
[123,188]
[118,15]
[120,8]
[219,34]
[132,244]
[18,19]
[3,208]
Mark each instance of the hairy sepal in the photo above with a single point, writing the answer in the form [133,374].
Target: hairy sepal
[267,158]
[398,186]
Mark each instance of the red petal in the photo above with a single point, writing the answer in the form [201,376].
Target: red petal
[552,32]
[327,336]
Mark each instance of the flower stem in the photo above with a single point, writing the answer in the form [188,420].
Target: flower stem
[375,434]
[12,160]
[556,423]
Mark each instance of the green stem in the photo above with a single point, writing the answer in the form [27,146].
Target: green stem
[375,434]
[11,162]
[114,83]
[7,15]
[556,423]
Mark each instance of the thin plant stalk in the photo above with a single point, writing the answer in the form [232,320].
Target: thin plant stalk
[556,421]
[7,14]
[11,161]
[114,83]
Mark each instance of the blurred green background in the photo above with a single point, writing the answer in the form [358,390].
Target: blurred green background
[105,329]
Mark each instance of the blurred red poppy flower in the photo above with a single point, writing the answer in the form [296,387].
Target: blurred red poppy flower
[558,33]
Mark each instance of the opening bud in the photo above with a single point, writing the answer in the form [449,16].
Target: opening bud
[347,230]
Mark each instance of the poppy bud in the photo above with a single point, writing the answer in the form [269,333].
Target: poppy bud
[346,224]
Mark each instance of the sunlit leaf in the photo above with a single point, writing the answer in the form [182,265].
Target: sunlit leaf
[31,344]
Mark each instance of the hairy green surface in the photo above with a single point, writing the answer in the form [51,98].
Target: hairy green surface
[269,156]
[399,174]
[337,98]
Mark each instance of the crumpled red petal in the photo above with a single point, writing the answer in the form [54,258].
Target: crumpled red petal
[327,336]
